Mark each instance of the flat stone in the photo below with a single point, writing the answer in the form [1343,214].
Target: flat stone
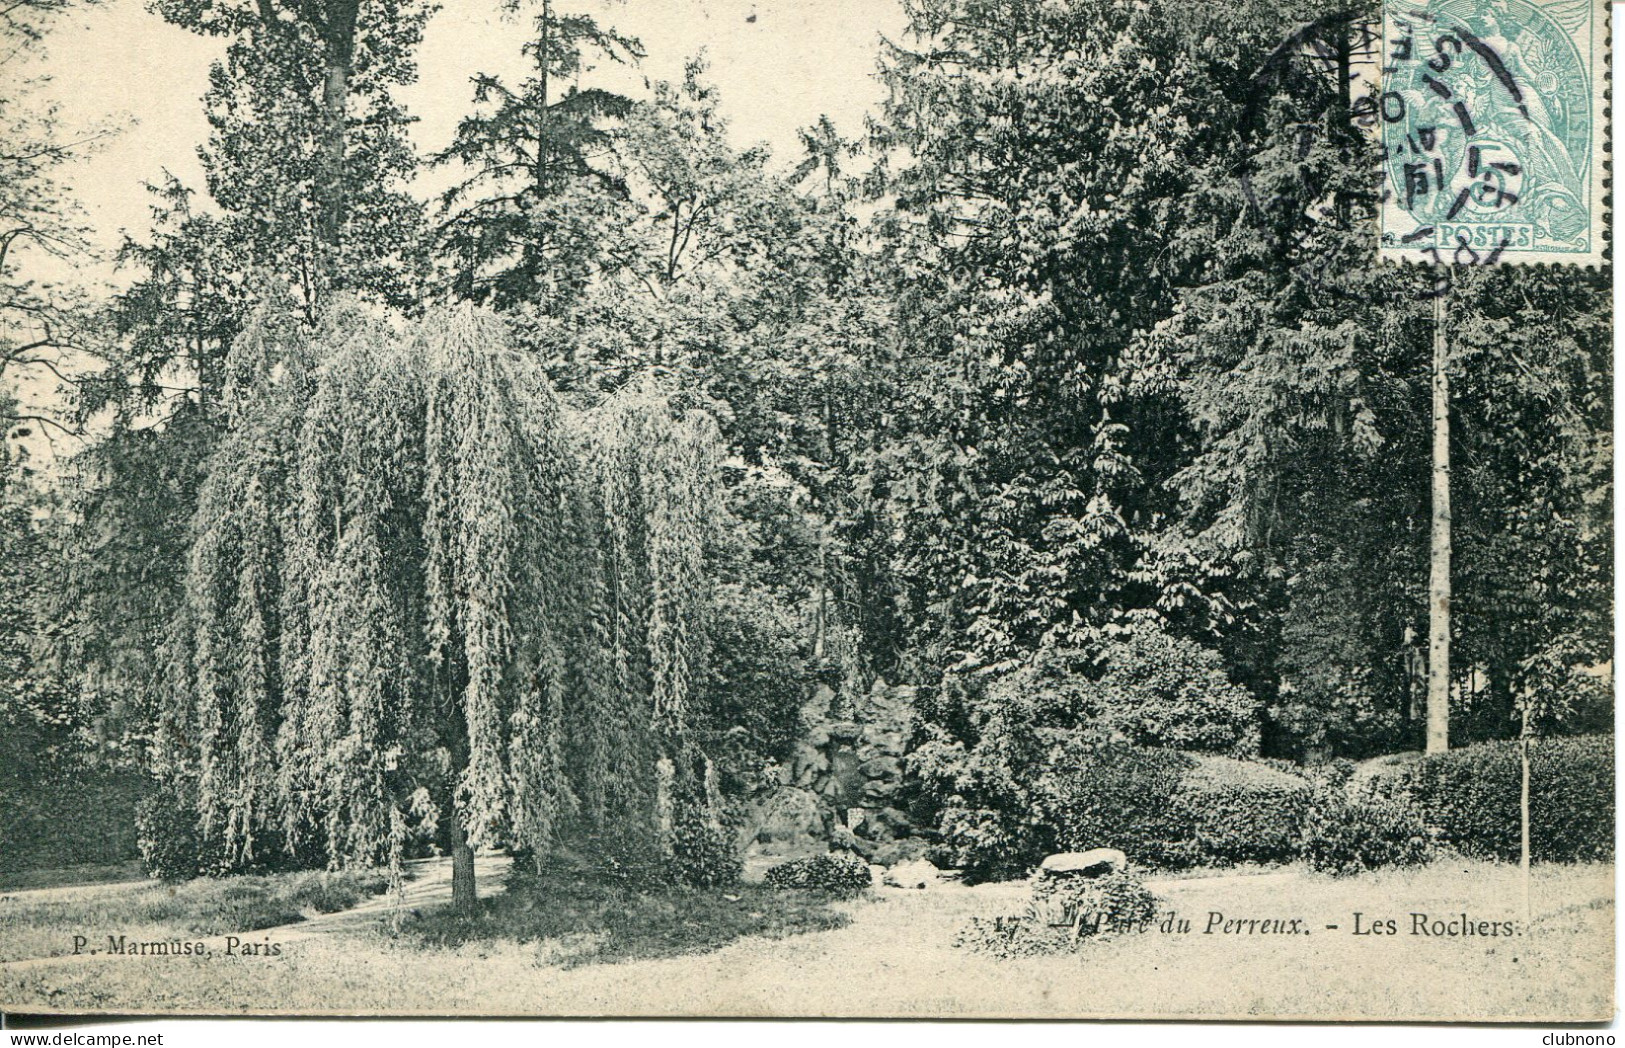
[1096,862]
[916,873]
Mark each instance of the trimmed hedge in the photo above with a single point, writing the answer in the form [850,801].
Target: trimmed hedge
[1121,796]
[1254,822]
[1172,810]
[1471,795]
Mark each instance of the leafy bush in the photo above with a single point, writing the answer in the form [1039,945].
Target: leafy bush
[750,709]
[979,766]
[167,833]
[1147,687]
[1333,774]
[1162,808]
[703,855]
[837,873]
[1063,913]
[1471,795]
[1344,835]
[1075,749]
[1118,901]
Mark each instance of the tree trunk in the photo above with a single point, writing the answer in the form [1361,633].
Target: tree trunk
[334,89]
[1438,733]
[339,44]
[462,868]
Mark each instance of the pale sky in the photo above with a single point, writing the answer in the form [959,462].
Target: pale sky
[797,59]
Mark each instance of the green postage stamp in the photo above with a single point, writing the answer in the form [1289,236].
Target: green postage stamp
[1494,127]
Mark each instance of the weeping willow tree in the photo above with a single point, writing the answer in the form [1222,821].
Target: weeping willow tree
[421,601]
[652,466]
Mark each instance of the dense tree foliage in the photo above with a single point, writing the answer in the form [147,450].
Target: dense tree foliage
[1073,393]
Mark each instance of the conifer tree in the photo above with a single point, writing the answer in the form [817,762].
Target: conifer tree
[525,224]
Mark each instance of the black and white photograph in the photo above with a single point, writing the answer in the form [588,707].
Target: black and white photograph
[800,509]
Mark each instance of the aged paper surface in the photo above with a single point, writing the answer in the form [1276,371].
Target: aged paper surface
[807,508]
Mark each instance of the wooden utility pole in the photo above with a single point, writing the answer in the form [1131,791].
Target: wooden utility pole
[1438,734]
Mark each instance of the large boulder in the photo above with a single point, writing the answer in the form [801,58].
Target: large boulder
[882,768]
[1096,862]
[807,757]
[877,792]
[884,705]
[901,850]
[787,820]
[817,707]
[883,738]
[916,873]
[843,839]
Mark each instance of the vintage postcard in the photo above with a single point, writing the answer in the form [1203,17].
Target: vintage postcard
[807,508]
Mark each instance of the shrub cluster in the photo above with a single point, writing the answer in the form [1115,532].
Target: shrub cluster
[838,873]
[1166,810]
[1145,686]
[1344,835]
[1161,807]
[1062,914]
[1472,796]
[1121,796]
[174,848]
[1030,786]
[1119,901]
[703,855]
[167,833]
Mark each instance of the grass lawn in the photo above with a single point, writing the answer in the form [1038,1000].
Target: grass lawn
[38,925]
[892,954]
[576,920]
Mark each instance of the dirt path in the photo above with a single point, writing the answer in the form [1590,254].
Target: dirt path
[428,884]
